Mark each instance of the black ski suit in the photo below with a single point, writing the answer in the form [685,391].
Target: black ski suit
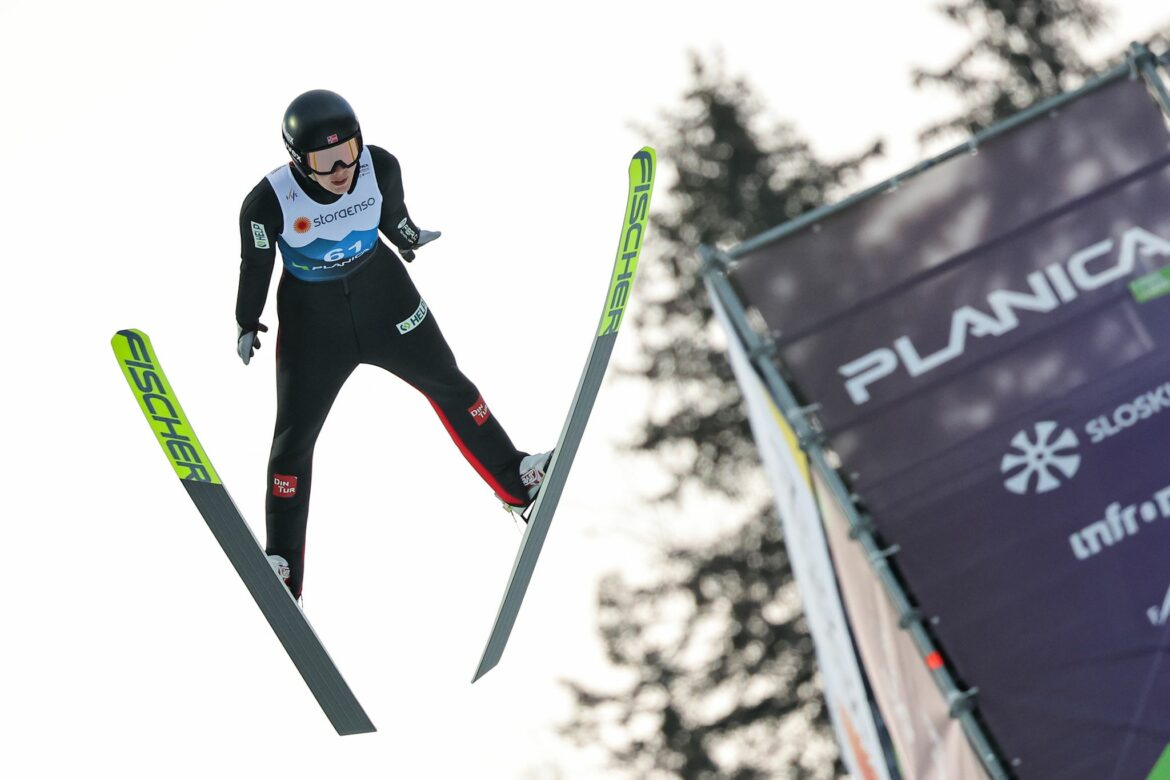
[339,311]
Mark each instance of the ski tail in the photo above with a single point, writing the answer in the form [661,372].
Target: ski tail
[641,170]
[190,462]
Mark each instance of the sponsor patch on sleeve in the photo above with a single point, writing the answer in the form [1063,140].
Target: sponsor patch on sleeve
[406,231]
[259,236]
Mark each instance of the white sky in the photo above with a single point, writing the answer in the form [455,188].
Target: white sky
[129,643]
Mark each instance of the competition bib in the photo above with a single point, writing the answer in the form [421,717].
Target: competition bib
[327,241]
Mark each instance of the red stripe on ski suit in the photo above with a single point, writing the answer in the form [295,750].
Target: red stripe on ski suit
[474,461]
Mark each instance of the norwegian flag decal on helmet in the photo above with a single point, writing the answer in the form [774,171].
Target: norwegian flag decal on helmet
[332,138]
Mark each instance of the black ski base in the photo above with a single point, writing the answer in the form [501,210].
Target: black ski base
[287,621]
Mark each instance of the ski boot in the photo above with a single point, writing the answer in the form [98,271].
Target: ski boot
[281,568]
[532,470]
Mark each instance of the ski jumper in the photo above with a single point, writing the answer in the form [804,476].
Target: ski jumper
[345,299]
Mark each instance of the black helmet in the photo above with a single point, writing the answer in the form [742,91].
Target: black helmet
[315,120]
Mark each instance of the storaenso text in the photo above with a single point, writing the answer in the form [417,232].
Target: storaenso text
[325,219]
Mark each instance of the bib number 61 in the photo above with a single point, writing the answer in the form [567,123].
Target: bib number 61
[337,254]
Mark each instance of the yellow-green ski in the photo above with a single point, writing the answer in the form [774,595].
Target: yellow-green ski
[642,168]
[157,400]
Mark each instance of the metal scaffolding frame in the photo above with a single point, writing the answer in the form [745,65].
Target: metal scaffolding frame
[716,266]
[1140,61]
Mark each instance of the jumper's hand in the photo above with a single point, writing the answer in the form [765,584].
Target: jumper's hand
[424,237]
[248,341]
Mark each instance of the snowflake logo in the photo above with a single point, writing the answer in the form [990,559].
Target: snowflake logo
[1045,458]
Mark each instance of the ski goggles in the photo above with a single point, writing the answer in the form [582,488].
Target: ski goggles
[323,161]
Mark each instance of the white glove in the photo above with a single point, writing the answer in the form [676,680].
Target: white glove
[247,342]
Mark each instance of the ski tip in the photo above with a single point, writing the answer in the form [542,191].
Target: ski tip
[647,155]
[126,333]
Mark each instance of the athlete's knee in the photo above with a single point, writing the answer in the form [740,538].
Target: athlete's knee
[294,443]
